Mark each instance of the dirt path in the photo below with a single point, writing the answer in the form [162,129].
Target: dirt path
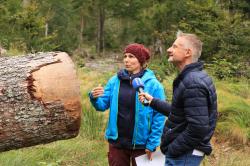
[107,64]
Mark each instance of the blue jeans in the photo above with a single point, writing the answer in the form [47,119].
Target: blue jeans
[187,159]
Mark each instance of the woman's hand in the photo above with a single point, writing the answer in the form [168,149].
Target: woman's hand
[143,96]
[97,91]
[149,154]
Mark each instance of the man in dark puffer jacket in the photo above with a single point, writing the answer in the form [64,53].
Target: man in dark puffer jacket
[193,113]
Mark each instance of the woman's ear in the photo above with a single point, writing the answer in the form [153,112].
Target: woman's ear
[145,65]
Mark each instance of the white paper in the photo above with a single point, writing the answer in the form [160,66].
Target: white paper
[197,153]
[158,160]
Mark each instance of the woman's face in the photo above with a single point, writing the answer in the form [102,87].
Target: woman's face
[131,63]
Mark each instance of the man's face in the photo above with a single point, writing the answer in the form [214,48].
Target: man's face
[177,52]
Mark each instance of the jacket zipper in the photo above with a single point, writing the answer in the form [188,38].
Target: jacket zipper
[133,142]
[136,119]
[117,108]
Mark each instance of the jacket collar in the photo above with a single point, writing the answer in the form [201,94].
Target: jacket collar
[145,75]
[196,66]
[124,75]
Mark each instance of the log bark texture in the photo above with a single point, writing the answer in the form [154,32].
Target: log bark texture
[39,100]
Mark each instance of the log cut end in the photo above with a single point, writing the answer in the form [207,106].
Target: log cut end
[58,82]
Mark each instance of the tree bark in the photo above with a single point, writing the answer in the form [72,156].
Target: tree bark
[39,100]
[81,31]
[100,32]
[46,29]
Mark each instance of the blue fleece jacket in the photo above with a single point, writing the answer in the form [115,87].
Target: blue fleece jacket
[148,122]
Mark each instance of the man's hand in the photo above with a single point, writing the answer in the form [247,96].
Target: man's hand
[97,91]
[149,154]
[143,96]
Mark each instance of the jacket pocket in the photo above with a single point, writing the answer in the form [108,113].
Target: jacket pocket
[143,127]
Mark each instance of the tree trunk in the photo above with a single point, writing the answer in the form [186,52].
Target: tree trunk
[81,51]
[39,100]
[81,31]
[231,7]
[46,29]
[100,33]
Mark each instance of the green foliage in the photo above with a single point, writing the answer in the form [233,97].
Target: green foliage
[223,69]
[111,41]
[234,111]
[92,123]
[60,15]
[222,25]
[235,124]
[24,28]
[162,68]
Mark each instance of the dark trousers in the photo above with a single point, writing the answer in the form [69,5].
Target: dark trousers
[123,157]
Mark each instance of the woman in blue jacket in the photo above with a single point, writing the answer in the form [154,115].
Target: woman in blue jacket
[133,129]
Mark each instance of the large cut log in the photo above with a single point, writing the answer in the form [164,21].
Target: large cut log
[39,100]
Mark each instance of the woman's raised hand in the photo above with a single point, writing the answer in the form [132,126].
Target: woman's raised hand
[97,91]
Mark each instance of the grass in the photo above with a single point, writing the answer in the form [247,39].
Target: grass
[234,108]
[75,152]
[227,156]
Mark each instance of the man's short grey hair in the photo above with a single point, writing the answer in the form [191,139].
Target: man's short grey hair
[193,42]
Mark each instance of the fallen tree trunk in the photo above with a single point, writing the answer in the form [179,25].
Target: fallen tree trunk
[39,100]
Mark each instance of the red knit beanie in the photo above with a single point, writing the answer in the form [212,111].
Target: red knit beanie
[139,51]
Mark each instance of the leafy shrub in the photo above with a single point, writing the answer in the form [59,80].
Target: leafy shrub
[162,67]
[223,69]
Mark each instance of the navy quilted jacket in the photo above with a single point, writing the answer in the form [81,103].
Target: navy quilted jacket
[192,115]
